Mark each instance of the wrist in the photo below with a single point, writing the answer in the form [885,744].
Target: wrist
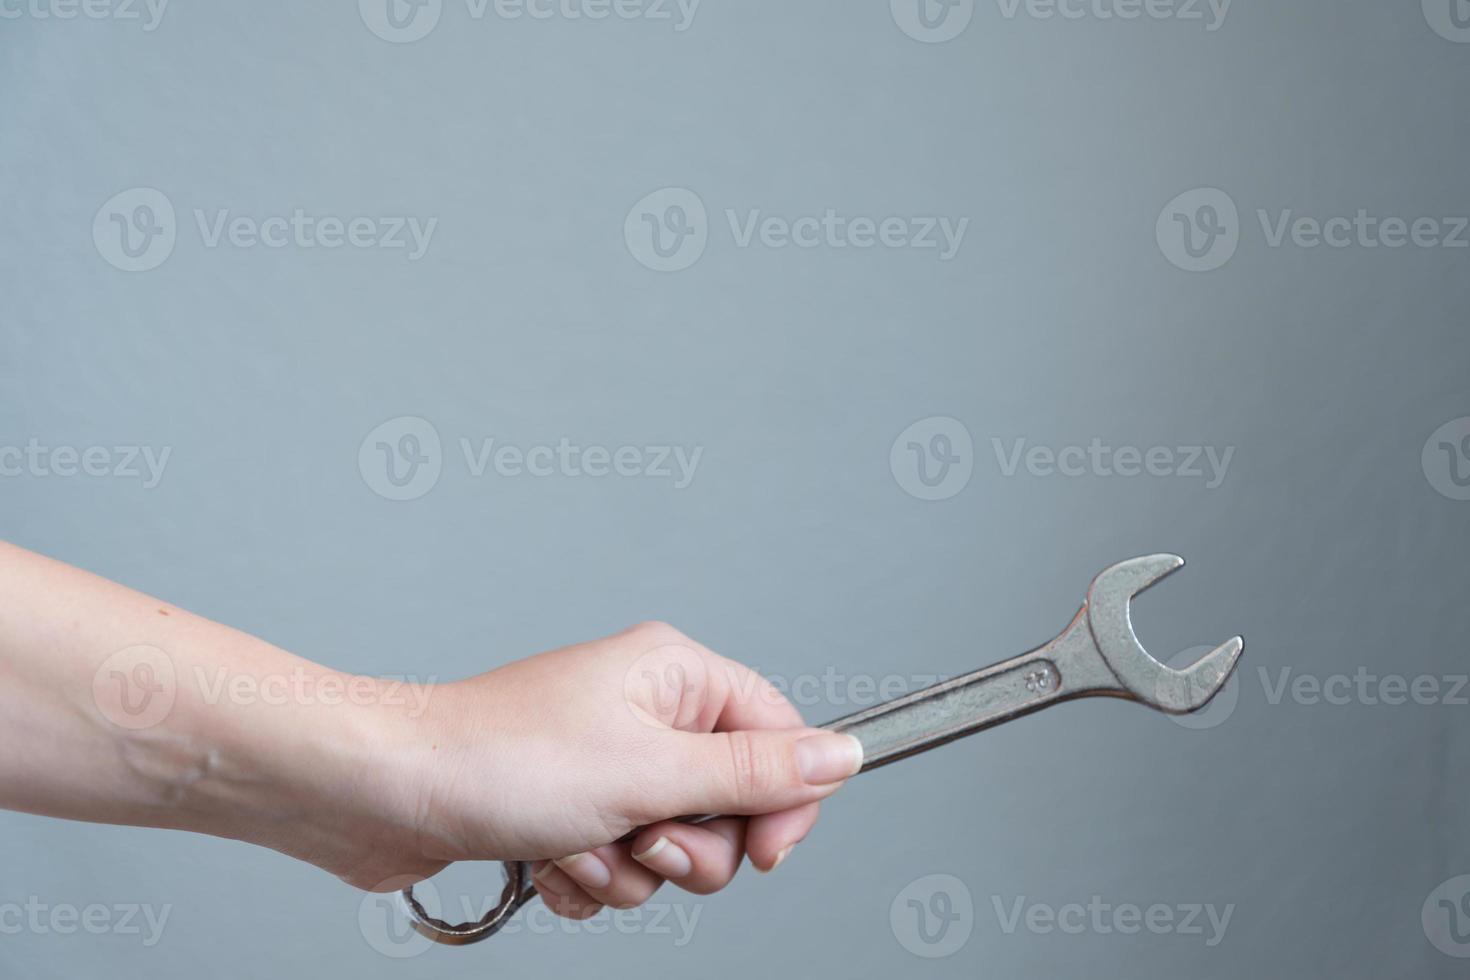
[321,768]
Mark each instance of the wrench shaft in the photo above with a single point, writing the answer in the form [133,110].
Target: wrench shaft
[952,709]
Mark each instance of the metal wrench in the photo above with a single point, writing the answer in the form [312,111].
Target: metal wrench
[1096,655]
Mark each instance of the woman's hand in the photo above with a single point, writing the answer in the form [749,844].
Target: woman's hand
[118,708]
[558,756]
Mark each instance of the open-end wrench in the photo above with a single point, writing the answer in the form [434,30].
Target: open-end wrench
[1097,654]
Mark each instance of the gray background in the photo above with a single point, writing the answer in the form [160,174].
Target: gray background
[796,549]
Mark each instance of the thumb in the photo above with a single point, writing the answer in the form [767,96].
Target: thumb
[749,771]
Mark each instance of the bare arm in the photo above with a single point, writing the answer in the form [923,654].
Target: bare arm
[119,708]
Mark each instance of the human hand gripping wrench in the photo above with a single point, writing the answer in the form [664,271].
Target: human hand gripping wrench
[1096,655]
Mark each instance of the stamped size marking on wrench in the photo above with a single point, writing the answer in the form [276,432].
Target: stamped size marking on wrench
[1096,655]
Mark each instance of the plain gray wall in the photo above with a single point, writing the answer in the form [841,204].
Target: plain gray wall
[1335,542]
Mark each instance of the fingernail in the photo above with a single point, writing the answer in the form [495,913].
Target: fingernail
[586,869]
[666,858]
[780,856]
[828,758]
[545,867]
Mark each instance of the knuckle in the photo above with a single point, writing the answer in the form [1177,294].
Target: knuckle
[752,773]
[708,883]
[574,910]
[621,902]
[656,631]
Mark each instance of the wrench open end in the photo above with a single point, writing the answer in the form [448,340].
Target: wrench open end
[1141,676]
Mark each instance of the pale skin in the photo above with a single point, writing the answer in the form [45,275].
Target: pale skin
[551,759]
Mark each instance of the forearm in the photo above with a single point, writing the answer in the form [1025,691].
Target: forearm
[118,708]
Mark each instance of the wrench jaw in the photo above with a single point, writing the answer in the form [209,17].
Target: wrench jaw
[1195,686]
[1139,675]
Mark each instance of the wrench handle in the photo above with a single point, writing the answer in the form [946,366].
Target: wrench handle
[953,709]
